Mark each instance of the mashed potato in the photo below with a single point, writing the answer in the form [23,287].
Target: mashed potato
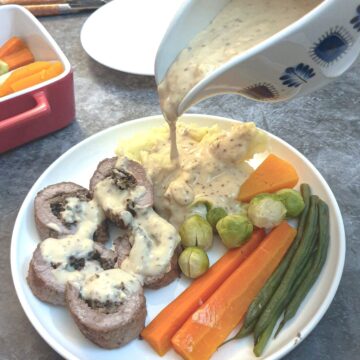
[212,164]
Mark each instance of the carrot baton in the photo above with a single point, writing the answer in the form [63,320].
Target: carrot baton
[15,60]
[209,326]
[161,329]
[54,70]
[20,73]
[13,45]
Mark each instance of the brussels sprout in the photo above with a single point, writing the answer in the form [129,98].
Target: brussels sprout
[242,209]
[196,231]
[266,211]
[265,195]
[198,209]
[200,206]
[193,262]
[215,214]
[234,230]
[202,200]
[292,200]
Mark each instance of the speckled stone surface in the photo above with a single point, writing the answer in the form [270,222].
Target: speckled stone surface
[324,126]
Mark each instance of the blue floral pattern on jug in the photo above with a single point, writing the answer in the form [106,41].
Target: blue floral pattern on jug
[297,75]
[355,21]
[261,91]
[331,46]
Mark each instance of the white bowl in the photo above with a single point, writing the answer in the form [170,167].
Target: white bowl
[55,325]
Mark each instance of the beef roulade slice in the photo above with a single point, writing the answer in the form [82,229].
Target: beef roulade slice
[121,187]
[109,308]
[67,208]
[58,261]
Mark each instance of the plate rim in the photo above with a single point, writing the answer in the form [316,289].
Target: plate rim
[15,271]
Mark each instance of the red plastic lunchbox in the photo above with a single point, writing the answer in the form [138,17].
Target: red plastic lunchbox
[43,108]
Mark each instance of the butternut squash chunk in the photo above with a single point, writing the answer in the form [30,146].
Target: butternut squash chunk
[272,175]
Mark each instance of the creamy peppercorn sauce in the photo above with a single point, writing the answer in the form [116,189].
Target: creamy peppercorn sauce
[211,165]
[58,252]
[154,241]
[112,285]
[87,215]
[241,25]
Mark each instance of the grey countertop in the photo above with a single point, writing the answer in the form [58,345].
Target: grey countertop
[324,126]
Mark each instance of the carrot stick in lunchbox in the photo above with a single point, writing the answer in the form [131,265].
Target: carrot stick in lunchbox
[55,69]
[13,45]
[15,60]
[22,72]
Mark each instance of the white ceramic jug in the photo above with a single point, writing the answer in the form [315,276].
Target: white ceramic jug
[302,57]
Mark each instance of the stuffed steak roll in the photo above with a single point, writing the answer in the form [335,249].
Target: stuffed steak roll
[67,208]
[58,261]
[121,187]
[109,307]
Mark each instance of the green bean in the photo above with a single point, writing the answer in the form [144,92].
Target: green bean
[245,330]
[264,337]
[277,301]
[317,265]
[305,273]
[241,333]
[273,282]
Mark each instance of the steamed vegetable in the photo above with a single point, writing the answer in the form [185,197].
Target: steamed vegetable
[214,215]
[161,329]
[272,284]
[278,300]
[15,60]
[21,73]
[234,230]
[272,175]
[300,285]
[54,70]
[266,211]
[262,340]
[200,206]
[315,266]
[193,262]
[290,283]
[196,231]
[293,202]
[14,44]
[4,68]
[209,326]
[202,201]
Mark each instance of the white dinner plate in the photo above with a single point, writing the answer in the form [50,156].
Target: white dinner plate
[56,326]
[125,34]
